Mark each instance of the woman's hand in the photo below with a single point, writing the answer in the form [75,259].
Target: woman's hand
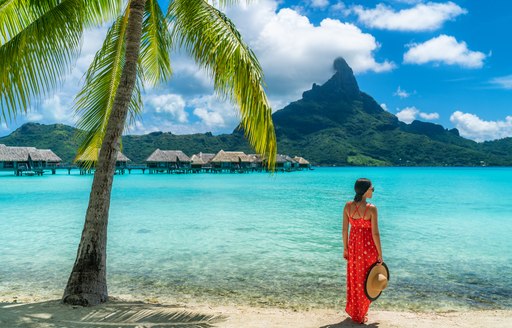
[345,254]
[379,260]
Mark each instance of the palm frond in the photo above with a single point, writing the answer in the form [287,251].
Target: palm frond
[150,316]
[216,45]
[15,15]
[155,45]
[94,102]
[39,41]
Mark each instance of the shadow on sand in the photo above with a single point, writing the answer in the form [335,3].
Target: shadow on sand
[349,323]
[53,314]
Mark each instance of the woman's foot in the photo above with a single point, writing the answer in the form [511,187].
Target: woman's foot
[365,319]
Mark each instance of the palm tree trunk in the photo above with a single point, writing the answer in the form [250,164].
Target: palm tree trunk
[87,284]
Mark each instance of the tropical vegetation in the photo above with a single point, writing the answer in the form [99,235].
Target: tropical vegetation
[41,39]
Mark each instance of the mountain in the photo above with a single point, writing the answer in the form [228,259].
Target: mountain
[333,124]
[57,137]
[336,123]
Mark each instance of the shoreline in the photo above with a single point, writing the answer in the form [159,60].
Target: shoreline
[127,311]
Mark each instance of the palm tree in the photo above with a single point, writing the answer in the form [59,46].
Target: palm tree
[39,39]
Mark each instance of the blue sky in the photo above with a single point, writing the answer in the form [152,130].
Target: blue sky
[439,61]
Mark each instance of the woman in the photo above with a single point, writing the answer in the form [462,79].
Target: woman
[362,249]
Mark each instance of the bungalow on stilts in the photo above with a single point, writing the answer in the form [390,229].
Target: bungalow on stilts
[231,161]
[28,160]
[87,161]
[168,161]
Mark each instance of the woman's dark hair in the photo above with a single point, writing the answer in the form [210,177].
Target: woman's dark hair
[360,187]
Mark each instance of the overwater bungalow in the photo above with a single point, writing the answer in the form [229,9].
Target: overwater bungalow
[231,161]
[25,160]
[284,163]
[201,161]
[302,163]
[258,162]
[168,161]
[85,165]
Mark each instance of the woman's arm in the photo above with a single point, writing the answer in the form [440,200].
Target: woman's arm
[375,231]
[344,231]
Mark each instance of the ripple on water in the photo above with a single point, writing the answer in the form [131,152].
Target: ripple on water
[251,239]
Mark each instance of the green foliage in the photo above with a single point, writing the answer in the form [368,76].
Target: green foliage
[216,45]
[57,137]
[39,40]
[95,101]
[327,147]
[362,160]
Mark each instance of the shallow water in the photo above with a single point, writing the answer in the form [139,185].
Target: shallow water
[265,240]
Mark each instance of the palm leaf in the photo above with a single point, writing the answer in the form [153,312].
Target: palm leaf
[155,45]
[215,44]
[39,40]
[15,15]
[137,316]
[94,102]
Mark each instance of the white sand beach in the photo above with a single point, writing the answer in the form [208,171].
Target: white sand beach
[129,313]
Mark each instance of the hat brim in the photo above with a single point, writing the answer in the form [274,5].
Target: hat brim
[373,298]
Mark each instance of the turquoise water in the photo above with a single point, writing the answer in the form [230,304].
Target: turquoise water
[265,240]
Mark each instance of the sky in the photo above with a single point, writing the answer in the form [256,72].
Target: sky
[445,62]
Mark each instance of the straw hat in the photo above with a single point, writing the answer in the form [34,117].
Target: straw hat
[376,280]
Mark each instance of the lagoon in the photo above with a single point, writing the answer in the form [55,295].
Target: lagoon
[267,240]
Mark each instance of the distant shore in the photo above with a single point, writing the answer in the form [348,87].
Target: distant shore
[129,312]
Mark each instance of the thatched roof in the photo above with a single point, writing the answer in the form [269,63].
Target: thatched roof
[257,158]
[89,157]
[284,158]
[22,154]
[168,156]
[231,157]
[301,160]
[202,158]
[46,155]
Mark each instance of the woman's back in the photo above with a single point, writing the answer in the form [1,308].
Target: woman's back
[356,219]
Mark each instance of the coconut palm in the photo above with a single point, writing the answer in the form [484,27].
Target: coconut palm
[40,39]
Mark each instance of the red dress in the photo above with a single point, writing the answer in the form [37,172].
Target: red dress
[362,253]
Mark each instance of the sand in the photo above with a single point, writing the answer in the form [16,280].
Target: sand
[123,313]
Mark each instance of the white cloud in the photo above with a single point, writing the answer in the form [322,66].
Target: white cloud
[33,116]
[504,82]
[401,93]
[210,118]
[319,3]
[148,126]
[429,116]
[444,49]
[214,113]
[294,53]
[409,114]
[170,104]
[52,110]
[473,127]
[57,110]
[340,7]
[408,2]
[206,113]
[422,17]
[385,107]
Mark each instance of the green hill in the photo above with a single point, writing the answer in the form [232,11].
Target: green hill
[336,123]
[333,124]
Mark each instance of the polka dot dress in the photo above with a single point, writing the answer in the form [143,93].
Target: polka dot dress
[362,253]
